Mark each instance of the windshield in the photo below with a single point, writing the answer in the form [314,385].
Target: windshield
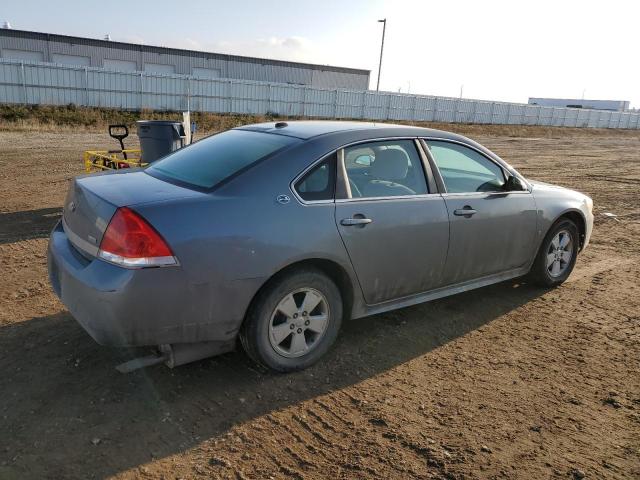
[208,162]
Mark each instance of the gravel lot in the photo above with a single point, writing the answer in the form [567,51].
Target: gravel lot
[509,381]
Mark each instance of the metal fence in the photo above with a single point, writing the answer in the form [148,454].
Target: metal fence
[47,84]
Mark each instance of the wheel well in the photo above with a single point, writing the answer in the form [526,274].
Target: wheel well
[331,269]
[578,219]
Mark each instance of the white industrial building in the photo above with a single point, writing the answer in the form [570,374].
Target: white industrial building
[609,105]
[128,57]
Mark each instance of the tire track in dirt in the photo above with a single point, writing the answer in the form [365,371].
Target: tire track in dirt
[596,269]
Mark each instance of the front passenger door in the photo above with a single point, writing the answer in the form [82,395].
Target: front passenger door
[491,230]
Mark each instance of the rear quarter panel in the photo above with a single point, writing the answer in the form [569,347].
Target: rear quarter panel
[234,239]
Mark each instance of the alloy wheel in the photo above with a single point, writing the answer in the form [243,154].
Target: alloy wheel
[298,322]
[559,253]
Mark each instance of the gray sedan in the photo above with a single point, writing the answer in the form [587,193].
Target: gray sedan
[273,233]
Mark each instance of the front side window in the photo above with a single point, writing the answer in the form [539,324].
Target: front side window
[320,182]
[464,170]
[208,162]
[389,168]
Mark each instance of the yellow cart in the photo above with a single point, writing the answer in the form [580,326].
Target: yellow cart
[100,160]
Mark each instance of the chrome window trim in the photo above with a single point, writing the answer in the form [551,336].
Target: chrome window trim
[434,170]
[344,177]
[478,194]
[437,176]
[397,197]
[502,165]
[314,202]
[303,173]
[430,175]
[378,139]
[331,152]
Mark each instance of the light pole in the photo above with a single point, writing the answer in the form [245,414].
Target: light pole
[384,28]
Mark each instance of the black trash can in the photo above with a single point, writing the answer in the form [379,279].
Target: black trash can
[159,138]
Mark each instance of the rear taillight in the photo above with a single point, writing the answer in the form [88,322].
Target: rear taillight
[131,242]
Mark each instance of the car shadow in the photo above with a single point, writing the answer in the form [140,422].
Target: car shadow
[28,224]
[66,412]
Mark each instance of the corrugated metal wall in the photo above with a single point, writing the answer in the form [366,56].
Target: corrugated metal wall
[614,105]
[53,47]
[34,83]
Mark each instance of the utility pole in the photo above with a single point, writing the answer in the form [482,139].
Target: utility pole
[384,28]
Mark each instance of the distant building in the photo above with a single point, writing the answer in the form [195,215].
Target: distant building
[611,105]
[129,57]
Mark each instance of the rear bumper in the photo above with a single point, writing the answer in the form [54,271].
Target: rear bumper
[150,306]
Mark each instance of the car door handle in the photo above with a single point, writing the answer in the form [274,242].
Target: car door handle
[348,222]
[467,211]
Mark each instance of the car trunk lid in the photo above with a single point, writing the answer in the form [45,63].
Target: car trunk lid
[92,200]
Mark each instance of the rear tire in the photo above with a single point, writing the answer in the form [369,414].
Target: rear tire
[557,255]
[294,321]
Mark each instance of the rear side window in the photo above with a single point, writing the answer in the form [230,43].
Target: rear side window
[387,168]
[211,160]
[319,183]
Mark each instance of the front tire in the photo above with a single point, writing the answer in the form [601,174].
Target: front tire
[294,321]
[557,255]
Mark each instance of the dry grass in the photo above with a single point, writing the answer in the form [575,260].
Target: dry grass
[36,118]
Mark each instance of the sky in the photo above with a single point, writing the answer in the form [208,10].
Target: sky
[484,49]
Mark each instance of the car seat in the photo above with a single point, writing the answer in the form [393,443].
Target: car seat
[390,166]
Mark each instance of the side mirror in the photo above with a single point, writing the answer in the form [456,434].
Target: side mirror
[514,184]
[364,160]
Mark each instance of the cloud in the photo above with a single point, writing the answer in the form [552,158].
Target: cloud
[292,48]
[191,44]
[129,39]
[285,48]
[293,42]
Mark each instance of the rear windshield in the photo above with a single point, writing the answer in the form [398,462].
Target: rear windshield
[211,160]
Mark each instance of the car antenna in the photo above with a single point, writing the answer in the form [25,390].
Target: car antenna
[281,124]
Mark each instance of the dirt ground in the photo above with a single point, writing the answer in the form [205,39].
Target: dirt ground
[509,381]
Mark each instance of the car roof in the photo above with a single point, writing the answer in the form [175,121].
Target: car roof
[307,129]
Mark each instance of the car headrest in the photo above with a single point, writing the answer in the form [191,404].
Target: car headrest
[390,164]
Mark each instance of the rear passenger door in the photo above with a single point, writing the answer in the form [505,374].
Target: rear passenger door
[491,230]
[392,221]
